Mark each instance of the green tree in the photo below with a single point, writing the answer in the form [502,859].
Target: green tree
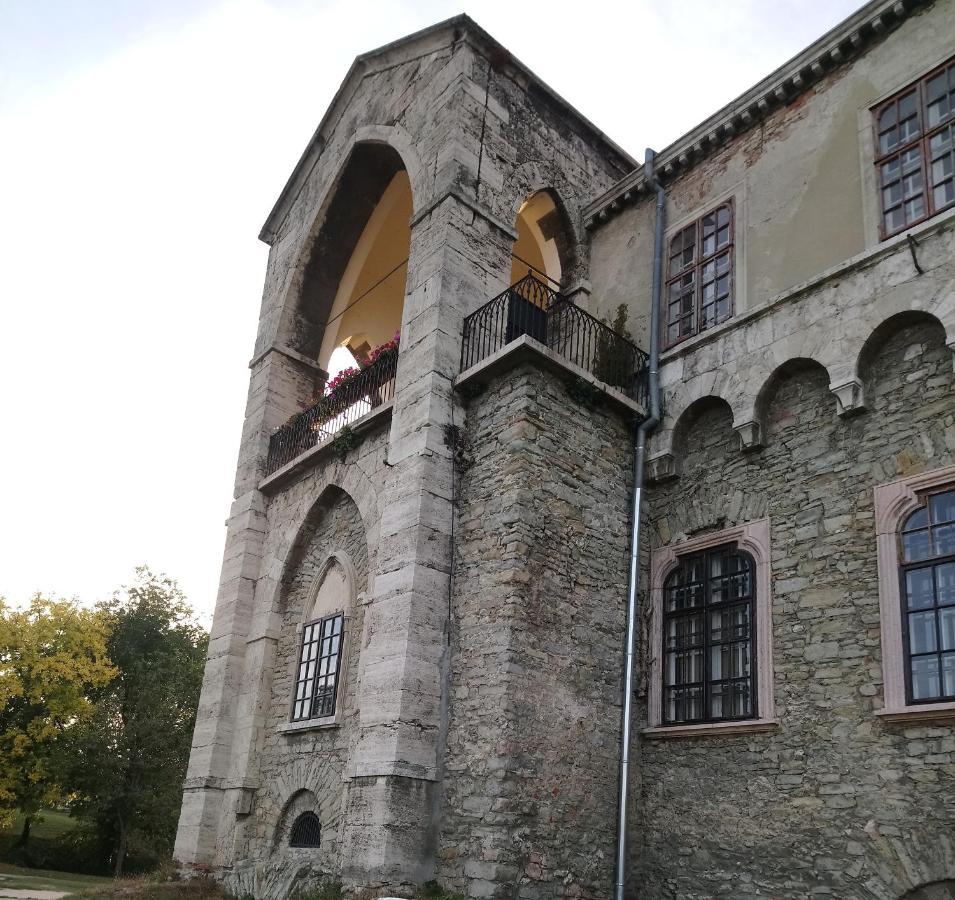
[128,760]
[52,657]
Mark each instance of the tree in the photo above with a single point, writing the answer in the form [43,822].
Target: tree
[128,760]
[52,657]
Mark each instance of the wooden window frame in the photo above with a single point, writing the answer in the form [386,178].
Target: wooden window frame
[920,142]
[696,268]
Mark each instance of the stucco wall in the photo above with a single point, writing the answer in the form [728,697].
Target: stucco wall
[802,181]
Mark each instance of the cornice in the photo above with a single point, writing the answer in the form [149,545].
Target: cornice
[849,39]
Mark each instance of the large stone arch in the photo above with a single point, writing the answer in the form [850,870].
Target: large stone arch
[360,172]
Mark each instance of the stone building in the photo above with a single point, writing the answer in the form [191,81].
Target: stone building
[417,663]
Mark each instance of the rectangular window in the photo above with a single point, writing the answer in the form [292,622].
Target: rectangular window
[316,682]
[699,290]
[915,151]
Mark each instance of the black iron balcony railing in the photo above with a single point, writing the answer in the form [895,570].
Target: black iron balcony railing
[359,395]
[530,307]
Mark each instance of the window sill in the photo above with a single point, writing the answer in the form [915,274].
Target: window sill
[710,729]
[309,725]
[928,712]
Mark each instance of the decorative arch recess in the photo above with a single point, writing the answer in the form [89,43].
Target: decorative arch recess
[885,330]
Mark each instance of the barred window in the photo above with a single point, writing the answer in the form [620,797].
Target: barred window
[700,275]
[306,832]
[316,682]
[915,150]
[709,672]
[928,599]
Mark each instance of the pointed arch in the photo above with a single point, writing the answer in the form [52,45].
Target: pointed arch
[349,280]
[546,244]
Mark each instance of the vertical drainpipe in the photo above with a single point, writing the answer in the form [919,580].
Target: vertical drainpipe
[639,460]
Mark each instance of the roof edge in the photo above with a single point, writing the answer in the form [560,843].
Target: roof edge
[456,27]
[850,38]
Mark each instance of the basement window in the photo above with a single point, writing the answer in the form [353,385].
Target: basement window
[915,151]
[699,289]
[306,832]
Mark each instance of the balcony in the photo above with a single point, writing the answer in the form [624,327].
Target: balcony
[360,395]
[531,308]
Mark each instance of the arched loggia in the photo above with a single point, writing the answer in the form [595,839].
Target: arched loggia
[353,284]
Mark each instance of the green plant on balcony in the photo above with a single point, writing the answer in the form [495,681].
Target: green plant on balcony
[612,356]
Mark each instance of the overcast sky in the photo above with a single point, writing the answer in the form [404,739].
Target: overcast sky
[142,144]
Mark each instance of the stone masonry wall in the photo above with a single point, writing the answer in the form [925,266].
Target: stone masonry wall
[835,802]
[538,615]
[308,766]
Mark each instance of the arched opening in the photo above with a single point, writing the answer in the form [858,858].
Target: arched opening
[306,831]
[540,241]
[937,890]
[353,284]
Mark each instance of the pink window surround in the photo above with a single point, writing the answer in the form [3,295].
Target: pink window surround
[754,539]
[893,504]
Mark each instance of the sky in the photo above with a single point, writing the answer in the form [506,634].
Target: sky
[142,145]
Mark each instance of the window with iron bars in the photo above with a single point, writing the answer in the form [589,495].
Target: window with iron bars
[928,599]
[316,681]
[306,832]
[699,290]
[709,672]
[915,150]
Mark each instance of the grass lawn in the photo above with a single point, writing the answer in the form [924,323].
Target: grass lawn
[46,880]
[47,825]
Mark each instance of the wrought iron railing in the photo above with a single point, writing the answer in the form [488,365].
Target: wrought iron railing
[530,307]
[369,389]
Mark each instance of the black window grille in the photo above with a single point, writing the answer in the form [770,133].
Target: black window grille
[928,599]
[316,683]
[306,831]
[709,610]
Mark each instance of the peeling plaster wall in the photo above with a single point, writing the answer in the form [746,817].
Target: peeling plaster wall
[802,180]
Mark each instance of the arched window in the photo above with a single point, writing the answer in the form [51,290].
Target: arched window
[306,831]
[709,664]
[927,574]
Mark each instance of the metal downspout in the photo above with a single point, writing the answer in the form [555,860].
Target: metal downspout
[639,461]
